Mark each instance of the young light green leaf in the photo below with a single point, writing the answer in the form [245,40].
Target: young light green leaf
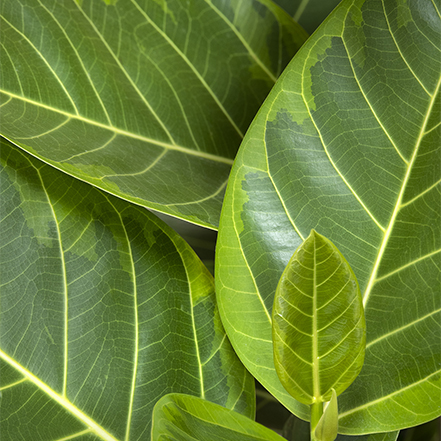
[104,309]
[147,100]
[319,331]
[178,417]
[327,427]
[348,143]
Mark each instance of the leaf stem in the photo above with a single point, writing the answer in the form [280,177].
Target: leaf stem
[316,410]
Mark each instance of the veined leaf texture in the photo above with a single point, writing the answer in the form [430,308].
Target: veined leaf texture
[178,417]
[348,143]
[148,100]
[318,324]
[104,309]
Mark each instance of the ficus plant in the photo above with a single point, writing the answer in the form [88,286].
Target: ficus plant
[315,158]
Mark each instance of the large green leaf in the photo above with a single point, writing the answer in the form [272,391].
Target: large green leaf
[148,100]
[178,417]
[104,309]
[348,143]
[319,331]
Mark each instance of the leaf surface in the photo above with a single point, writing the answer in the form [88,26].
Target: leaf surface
[104,309]
[347,143]
[178,417]
[319,331]
[148,100]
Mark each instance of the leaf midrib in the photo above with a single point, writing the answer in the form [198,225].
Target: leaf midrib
[172,145]
[136,324]
[121,132]
[398,204]
[64,277]
[385,397]
[315,357]
[66,404]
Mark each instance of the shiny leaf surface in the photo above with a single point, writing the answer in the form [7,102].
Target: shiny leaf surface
[104,309]
[178,417]
[347,143]
[327,427]
[319,331]
[148,100]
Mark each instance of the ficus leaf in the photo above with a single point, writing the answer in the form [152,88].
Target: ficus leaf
[319,330]
[347,142]
[104,309]
[148,100]
[327,427]
[178,417]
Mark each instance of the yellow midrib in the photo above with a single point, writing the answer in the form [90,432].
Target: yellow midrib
[64,402]
[398,205]
[315,358]
[121,132]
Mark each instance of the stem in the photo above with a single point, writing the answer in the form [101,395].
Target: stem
[316,410]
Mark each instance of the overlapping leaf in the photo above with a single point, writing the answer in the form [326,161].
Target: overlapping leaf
[348,143]
[104,309]
[178,417]
[147,100]
[319,331]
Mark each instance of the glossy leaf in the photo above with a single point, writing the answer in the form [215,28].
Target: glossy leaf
[104,309]
[308,13]
[347,143]
[319,330]
[178,417]
[148,100]
[327,427]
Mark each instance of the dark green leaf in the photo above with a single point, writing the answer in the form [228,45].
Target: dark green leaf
[148,100]
[104,309]
[347,143]
[319,331]
[178,417]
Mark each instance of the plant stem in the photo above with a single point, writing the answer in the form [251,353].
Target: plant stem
[316,410]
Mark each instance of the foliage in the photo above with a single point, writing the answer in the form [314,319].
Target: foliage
[347,143]
[318,325]
[111,107]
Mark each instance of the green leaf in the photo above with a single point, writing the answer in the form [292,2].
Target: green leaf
[347,143]
[308,13]
[298,430]
[178,417]
[327,427]
[104,309]
[319,331]
[148,100]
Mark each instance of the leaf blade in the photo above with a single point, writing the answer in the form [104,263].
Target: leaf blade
[319,331]
[317,128]
[182,417]
[104,309]
[84,98]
